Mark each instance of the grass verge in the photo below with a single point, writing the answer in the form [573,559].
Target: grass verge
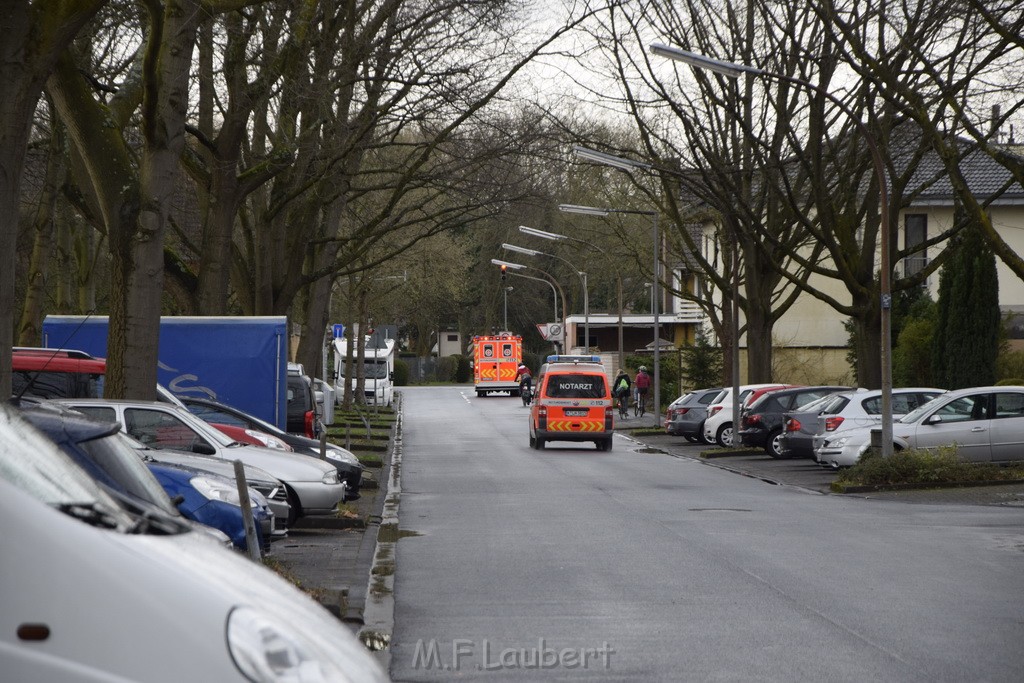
[921,468]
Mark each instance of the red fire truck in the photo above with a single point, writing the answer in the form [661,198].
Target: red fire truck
[495,361]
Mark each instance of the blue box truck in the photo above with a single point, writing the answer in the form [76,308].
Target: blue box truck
[241,361]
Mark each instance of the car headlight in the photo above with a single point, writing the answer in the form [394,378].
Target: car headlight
[268,440]
[330,477]
[837,443]
[267,651]
[342,456]
[213,489]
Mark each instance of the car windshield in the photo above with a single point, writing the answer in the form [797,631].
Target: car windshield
[124,465]
[372,369]
[915,415]
[33,463]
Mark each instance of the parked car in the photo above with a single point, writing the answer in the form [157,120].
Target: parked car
[349,467]
[761,423]
[313,486]
[56,373]
[253,437]
[846,410]
[141,583]
[718,425]
[985,423]
[99,449]
[301,411]
[275,492]
[685,416]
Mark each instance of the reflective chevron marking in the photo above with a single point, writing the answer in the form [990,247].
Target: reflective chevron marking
[575,426]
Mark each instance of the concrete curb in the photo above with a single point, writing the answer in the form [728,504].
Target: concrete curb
[923,486]
[378,608]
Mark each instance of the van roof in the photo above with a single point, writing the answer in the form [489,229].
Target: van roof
[56,360]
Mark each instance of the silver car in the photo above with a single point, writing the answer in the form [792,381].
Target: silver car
[985,423]
[313,486]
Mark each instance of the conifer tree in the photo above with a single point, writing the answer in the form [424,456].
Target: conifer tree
[966,340]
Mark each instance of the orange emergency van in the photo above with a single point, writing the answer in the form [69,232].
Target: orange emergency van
[495,361]
[572,402]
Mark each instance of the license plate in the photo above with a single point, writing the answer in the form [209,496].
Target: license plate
[571,412]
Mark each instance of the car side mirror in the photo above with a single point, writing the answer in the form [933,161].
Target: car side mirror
[933,419]
[203,448]
[391,376]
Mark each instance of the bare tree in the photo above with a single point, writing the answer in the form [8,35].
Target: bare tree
[32,36]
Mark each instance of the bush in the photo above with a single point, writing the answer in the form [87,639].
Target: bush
[401,373]
[463,370]
[922,466]
[446,368]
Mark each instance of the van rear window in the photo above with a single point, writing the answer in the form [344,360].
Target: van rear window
[576,386]
[46,384]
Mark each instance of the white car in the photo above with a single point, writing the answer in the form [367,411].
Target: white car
[313,486]
[863,409]
[985,423]
[718,425]
[153,601]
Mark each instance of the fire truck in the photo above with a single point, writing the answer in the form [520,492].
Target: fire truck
[495,361]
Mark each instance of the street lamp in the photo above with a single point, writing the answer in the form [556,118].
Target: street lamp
[595,211]
[558,237]
[580,273]
[550,280]
[733,70]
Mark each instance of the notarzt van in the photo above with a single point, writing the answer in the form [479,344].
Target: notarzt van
[573,403]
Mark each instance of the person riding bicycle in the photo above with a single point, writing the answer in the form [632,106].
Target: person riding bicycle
[621,387]
[643,383]
[525,378]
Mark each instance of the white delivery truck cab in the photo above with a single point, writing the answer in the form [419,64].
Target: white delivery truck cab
[378,369]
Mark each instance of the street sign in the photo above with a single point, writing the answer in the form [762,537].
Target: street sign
[339,330]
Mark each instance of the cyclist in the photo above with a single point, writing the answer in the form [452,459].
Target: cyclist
[621,388]
[643,383]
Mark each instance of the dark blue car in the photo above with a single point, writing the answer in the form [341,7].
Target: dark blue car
[100,449]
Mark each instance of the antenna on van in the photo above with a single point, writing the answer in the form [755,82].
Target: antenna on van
[31,382]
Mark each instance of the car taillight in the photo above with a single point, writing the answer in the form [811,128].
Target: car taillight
[832,423]
[609,413]
[713,409]
[542,411]
[682,411]
[310,415]
[793,425]
[751,420]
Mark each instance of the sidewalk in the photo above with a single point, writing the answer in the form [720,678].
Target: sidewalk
[332,557]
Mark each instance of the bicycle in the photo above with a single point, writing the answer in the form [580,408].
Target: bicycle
[623,406]
[640,408]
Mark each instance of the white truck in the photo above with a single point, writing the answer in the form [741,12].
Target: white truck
[378,369]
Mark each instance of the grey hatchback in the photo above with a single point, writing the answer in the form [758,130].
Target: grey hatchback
[685,416]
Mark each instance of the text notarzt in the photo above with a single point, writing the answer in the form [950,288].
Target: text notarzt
[486,656]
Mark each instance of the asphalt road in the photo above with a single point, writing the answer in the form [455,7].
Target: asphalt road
[569,563]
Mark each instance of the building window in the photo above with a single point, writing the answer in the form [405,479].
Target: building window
[453,337]
[915,227]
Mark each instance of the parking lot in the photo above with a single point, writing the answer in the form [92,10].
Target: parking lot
[805,474]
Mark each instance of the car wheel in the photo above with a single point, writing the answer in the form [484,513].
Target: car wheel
[540,443]
[774,444]
[533,442]
[724,436]
[608,443]
[294,508]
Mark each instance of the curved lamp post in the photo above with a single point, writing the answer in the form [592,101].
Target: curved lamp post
[734,70]
[558,237]
[580,273]
[551,281]
[627,164]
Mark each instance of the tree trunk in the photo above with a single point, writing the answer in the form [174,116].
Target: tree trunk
[30,331]
[135,319]
[32,34]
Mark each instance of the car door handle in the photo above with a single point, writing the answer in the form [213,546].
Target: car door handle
[978,429]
